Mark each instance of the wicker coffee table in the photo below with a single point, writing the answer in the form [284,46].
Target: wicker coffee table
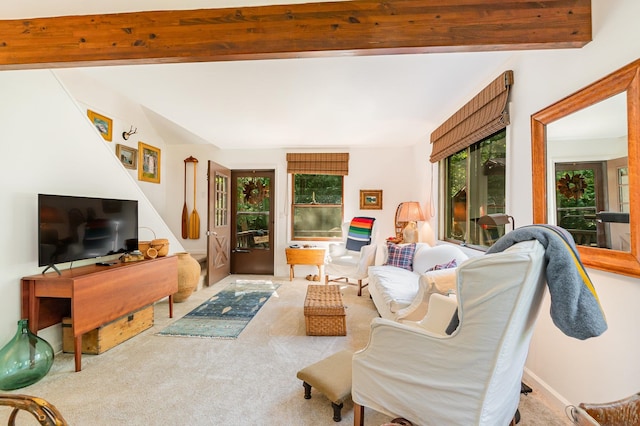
[324,313]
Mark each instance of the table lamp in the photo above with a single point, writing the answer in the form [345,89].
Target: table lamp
[411,213]
[496,219]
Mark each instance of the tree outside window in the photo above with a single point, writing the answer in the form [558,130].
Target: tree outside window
[474,187]
[317,207]
[253,204]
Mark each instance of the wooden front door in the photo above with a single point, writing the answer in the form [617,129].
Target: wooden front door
[252,238]
[580,194]
[218,223]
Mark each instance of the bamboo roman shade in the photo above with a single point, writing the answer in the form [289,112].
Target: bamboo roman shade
[318,163]
[482,116]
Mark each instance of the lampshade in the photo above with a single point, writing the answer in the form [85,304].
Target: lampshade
[496,219]
[410,212]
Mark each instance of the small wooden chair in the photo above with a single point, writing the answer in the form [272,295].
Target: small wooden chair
[625,411]
[44,412]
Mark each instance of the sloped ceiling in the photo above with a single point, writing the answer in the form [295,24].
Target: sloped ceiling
[323,102]
[353,101]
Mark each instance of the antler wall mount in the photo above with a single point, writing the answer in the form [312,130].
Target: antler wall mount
[132,131]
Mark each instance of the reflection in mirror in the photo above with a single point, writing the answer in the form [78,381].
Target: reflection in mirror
[587,152]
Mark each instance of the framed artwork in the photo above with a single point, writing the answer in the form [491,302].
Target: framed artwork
[128,156]
[371,199]
[148,163]
[102,123]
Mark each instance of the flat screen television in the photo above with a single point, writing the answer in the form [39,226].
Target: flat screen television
[74,228]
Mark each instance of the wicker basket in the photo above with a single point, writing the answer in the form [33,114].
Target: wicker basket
[162,245]
[324,313]
[144,246]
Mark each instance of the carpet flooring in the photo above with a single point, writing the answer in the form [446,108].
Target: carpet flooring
[225,314]
[251,380]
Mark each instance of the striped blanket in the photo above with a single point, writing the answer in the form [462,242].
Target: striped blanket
[359,233]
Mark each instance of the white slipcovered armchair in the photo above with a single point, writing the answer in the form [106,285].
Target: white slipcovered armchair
[343,264]
[471,377]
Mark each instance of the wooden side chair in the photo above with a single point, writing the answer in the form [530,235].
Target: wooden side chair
[624,411]
[44,412]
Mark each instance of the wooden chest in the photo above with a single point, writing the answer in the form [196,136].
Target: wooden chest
[324,313]
[109,335]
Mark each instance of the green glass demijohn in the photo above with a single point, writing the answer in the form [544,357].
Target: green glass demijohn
[26,359]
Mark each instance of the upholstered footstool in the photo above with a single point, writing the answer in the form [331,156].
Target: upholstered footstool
[331,377]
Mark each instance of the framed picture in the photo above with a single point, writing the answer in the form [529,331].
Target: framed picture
[102,123]
[371,199]
[149,163]
[128,156]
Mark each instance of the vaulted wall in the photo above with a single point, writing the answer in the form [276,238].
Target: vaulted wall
[49,147]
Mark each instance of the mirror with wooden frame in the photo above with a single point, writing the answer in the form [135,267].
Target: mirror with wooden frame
[585,156]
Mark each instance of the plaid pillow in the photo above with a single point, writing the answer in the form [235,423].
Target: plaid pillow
[401,255]
[451,264]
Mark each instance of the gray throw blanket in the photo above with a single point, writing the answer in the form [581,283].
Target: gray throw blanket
[575,308]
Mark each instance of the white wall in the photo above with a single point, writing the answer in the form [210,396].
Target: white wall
[604,368]
[176,154]
[400,172]
[601,369]
[92,95]
[49,146]
[368,169]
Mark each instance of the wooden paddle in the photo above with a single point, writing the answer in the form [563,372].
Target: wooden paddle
[194,219]
[185,210]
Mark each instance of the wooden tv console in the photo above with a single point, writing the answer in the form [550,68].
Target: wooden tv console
[94,295]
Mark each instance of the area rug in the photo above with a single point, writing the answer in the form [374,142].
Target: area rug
[226,314]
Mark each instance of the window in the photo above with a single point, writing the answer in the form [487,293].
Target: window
[253,209]
[623,189]
[474,182]
[580,194]
[471,148]
[221,217]
[317,206]
[317,186]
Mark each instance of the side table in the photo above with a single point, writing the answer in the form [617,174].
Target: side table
[304,256]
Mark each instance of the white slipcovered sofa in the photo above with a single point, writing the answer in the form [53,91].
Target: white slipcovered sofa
[402,294]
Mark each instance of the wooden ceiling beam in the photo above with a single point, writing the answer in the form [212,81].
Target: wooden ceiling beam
[294,30]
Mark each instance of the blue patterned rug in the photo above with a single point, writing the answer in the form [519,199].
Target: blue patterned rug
[226,314]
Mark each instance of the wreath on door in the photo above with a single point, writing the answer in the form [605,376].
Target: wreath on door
[255,192]
[572,186]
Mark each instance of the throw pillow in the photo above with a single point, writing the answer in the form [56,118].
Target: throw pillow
[442,281]
[401,256]
[451,264]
